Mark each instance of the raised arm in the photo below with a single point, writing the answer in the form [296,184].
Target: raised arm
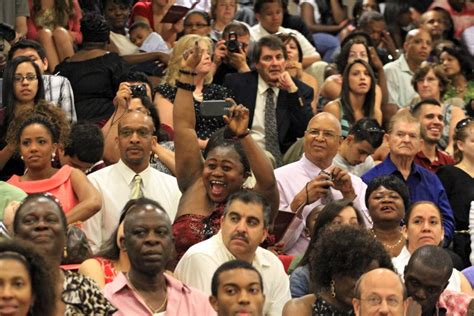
[189,161]
[237,121]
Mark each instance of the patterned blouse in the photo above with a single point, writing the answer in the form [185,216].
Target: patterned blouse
[322,308]
[205,126]
[83,297]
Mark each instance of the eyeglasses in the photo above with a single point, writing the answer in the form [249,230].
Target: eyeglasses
[375,300]
[324,133]
[141,132]
[28,77]
[463,123]
[197,25]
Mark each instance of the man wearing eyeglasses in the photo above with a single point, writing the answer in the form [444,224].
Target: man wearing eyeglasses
[380,292]
[131,177]
[314,180]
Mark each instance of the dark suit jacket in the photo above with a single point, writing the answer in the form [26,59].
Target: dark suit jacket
[293,110]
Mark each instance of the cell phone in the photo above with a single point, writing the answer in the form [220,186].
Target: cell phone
[215,108]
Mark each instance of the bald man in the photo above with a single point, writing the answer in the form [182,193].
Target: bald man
[314,180]
[417,48]
[129,178]
[380,292]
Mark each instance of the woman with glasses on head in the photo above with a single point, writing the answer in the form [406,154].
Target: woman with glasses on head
[431,82]
[204,90]
[23,88]
[458,181]
[358,99]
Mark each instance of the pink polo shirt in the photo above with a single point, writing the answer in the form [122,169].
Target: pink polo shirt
[182,300]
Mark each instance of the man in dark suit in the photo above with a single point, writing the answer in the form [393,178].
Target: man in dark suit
[289,97]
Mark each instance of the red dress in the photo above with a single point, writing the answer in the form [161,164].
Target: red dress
[107,268]
[190,229]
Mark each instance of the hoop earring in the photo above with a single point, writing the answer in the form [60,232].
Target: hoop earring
[333,289]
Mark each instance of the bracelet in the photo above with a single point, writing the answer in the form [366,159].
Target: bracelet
[185,86]
[247,132]
[188,72]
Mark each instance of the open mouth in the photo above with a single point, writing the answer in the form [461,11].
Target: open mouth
[217,187]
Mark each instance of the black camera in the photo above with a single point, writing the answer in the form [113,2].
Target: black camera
[138,90]
[232,44]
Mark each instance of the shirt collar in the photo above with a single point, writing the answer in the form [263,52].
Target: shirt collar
[263,87]
[390,167]
[311,169]
[121,282]
[128,174]
[404,65]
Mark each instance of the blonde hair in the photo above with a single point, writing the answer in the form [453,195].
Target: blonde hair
[176,57]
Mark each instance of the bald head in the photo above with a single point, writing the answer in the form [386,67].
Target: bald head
[322,139]
[380,292]
[323,116]
[136,116]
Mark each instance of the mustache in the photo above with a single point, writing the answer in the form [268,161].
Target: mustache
[241,236]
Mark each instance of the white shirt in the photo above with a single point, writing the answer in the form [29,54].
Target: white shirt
[291,179]
[57,89]
[258,124]
[399,75]
[199,263]
[402,259]
[317,14]
[257,32]
[114,184]
[357,170]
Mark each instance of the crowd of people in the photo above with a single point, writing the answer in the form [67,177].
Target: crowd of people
[234,157]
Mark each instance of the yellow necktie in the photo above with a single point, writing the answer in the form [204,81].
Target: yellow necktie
[136,192]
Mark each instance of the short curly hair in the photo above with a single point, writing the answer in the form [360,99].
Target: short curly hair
[345,251]
[51,113]
[41,280]
[424,69]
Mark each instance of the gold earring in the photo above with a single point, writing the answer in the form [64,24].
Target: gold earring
[65,252]
[333,288]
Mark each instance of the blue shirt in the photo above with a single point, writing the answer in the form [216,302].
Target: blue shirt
[423,186]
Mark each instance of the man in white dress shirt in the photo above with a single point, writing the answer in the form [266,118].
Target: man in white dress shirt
[118,183]
[244,226]
[314,180]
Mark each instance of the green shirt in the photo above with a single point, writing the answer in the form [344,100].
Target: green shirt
[9,193]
